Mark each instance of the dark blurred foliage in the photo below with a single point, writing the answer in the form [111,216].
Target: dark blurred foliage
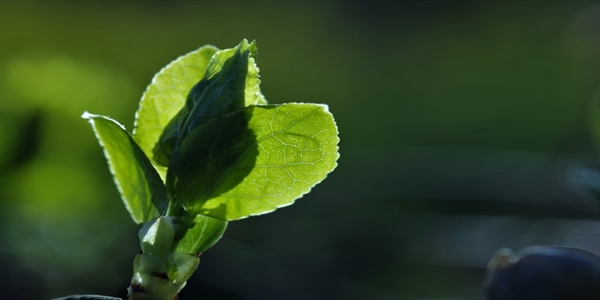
[465,127]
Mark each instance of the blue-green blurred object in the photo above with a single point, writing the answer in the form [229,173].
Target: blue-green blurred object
[544,273]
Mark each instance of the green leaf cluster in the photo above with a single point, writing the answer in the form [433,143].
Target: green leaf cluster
[207,148]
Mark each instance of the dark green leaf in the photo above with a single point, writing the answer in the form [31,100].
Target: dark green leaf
[230,83]
[219,153]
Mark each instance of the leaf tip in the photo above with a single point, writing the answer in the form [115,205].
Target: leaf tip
[87,115]
[323,106]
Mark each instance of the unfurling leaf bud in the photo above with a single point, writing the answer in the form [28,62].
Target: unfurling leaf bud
[156,237]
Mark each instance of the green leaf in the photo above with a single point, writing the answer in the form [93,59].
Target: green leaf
[227,70]
[205,233]
[156,237]
[230,83]
[166,95]
[141,188]
[185,264]
[229,170]
[210,157]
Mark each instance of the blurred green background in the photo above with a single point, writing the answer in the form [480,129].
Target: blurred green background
[464,126]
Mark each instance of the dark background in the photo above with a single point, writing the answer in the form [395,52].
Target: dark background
[464,126]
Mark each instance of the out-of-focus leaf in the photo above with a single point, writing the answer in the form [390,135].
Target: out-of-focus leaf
[166,95]
[230,83]
[205,233]
[231,171]
[141,188]
[594,120]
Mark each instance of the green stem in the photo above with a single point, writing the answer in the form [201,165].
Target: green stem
[185,222]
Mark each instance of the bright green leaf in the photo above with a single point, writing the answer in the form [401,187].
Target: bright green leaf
[205,233]
[230,171]
[230,83]
[140,186]
[166,95]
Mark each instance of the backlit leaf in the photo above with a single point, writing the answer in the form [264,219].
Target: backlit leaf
[140,186]
[230,83]
[217,154]
[230,171]
[166,95]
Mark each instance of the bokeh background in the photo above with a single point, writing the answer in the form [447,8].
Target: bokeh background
[464,126]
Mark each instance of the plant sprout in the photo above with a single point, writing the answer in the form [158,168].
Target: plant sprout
[206,149]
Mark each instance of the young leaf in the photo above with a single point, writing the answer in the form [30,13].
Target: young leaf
[211,154]
[230,83]
[141,188]
[205,233]
[230,171]
[157,236]
[185,264]
[166,95]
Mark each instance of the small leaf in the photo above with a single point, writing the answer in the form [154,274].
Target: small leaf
[166,95]
[156,237]
[205,233]
[185,264]
[282,152]
[230,83]
[141,188]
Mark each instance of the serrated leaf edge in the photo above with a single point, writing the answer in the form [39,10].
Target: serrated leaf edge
[90,117]
[325,108]
[335,164]
[155,77]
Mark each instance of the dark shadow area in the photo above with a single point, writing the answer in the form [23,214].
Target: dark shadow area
[27,141]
